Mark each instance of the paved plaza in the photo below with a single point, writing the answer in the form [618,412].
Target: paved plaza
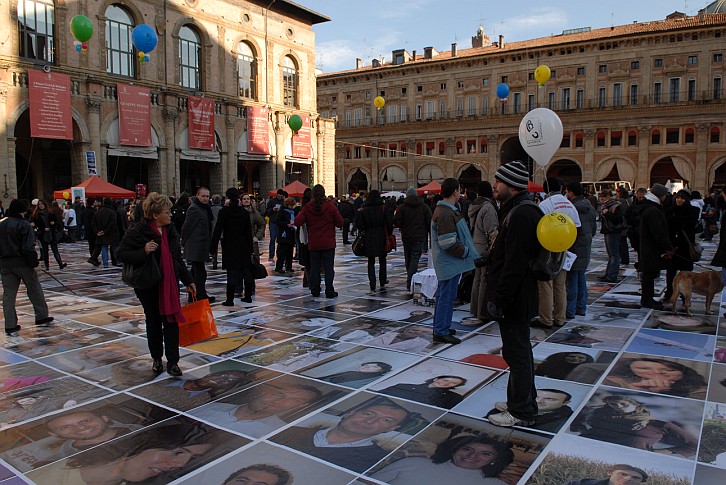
[79,401]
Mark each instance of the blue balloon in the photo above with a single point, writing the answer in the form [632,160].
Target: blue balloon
[502,91]
[144,38]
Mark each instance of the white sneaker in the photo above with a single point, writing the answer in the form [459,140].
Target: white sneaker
[500,406]
[507,420]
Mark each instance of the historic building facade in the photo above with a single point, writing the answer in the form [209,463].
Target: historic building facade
[643,102]
[254,59]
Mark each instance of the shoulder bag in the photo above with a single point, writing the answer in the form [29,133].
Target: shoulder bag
[390,238]
[145,276]
[259,271]
[359,243]
[694,249]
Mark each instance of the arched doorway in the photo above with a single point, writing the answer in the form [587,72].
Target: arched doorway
[393,177]
[196,165]
[358,182]
[719,177]
[666,169]
[470,178]
[429,173]
[127,165]
[43,164]
[565,170]
[512,150]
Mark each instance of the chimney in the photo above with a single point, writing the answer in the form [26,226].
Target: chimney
[453,49]
[501,41]
[358,63]
[413,56]
[376,63]
[702,15]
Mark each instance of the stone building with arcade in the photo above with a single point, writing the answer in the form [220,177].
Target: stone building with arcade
[642,102]
[254,59]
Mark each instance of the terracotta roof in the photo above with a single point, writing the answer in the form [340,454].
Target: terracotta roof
[640,28]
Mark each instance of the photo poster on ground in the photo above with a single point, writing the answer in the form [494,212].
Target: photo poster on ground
[78,192]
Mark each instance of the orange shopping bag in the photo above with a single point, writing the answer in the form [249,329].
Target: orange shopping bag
[199,324]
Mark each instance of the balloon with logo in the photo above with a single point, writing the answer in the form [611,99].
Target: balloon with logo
[144,39]
[556,232]
[502,92]
[295,123]
[540,133]
[82,30]
[542,74]
[379,102]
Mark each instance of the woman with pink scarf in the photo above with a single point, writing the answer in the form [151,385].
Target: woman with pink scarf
[156,237]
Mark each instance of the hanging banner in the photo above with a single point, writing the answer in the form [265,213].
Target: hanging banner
[50,105]
[301,147]
[134,115]
[201,123]
[258,137]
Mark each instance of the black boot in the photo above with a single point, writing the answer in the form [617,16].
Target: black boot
[306,280]
[230,296]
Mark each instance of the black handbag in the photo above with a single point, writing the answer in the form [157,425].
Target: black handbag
[359,244]
[259,272]
[145,276]
[694,249]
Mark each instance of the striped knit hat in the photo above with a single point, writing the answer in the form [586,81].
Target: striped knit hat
[513,174]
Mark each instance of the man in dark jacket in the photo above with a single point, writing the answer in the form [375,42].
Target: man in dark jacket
[513,295]
[347,212]
[105,226]
[273,207]
[576,281]
[196,239]
[179,211]
[88,212]
[613,225]
[78,207]
[620,474]
[414,220]
[655,245]
[632,218]
[17,262]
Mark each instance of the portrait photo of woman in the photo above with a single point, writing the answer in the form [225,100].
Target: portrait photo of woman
[662,376]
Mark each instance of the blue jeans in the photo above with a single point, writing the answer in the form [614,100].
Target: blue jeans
[612,245]
[576,293]
[273,239]
[104,254]
[444,310]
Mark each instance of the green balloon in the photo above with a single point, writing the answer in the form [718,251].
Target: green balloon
[81,28]
[295,123]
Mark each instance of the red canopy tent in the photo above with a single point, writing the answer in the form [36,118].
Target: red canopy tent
[533,187]
[430,188]
[97,187]
[293,189]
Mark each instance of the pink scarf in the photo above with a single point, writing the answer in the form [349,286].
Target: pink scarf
[169,305]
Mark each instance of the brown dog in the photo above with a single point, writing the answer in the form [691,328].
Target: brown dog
[707,283]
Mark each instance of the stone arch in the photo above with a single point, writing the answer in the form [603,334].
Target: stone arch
[683,165]
[106,124]
[201,30]
[24,105]
[567,169]
[138,17]
[627,169]
[717,177]
[249,40]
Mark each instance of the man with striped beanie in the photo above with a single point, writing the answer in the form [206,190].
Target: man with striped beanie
[512,291]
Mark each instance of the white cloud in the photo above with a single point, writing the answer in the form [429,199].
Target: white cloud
[340,55]
[536,23]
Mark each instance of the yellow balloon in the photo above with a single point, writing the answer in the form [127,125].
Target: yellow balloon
[556,232]
[379,102]
[66,195]
[542,74]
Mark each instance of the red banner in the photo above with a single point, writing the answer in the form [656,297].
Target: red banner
[201,123]
[258,137]
[301,147]
[50,105]
[134,115]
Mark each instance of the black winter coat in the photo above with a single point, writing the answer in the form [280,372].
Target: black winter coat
[234,223]
[654,240]
[682,218]
[131,250]
[106,220]
[719,259]
[414,219]
[371,218]
[510,283]
[285,234]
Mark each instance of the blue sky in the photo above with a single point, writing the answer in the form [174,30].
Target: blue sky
[372,28]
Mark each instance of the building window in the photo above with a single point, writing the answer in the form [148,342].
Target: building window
[471,102]
[485,82]
[602,68]
[632,139]
[551,100]
[484,147]
[618,94]
[289,82]
[633,94]
[347,153]
[356,152]
[715,135]
[419,109]
[634,65]
[579,141]
[459,106]
[484,105]
[655,137]
[692,60]
[657,92]
[580,71]
[565,141]
[616,138]
[419,149]
[382,151]
[601,139]
[689,136]
[246,71]
[36,25]
[392,151]
[190,52]
[601,97]
[672,135]
[505,79]
[403,90]
[517,103]
[443,86]
[717,87]
[119,50]
[442,109]
[674,91]
[430,110]
[580,99]
[553,73]
[471,147]
[691,90]
[404,112]
[566,98]
[531,76]
[718,57]
[658,63]
[419,89]
[442,148]
[530,101]
[459,84]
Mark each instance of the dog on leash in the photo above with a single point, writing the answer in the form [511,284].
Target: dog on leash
[708,283]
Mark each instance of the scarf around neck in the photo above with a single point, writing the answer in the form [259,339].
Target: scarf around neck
[169,305]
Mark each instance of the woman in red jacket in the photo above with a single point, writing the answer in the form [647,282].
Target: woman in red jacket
[321,217]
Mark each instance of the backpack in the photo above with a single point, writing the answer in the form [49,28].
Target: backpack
[545,265]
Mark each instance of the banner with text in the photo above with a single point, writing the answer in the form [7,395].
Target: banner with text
[134,115]
[50,105]
[301,147]
[201,123]
[258,137]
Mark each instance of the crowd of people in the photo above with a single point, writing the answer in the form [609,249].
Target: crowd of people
[476,239]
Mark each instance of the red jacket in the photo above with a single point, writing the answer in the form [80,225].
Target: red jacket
[321,225]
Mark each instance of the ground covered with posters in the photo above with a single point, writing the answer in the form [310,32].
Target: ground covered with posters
[303,390]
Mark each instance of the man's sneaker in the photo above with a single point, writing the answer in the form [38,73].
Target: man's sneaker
[507,420]
[94,262]
[44,321]
[501,406]
[446,339]
[12,332]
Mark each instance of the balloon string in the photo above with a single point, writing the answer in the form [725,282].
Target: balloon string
[417,155]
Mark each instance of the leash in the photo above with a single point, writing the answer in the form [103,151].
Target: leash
[710,268]
[58,281]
